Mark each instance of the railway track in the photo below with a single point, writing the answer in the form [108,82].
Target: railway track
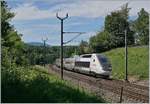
[140,89]
[132,91]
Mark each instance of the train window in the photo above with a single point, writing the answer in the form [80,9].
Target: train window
[86,56]
[103,59]
[82,64]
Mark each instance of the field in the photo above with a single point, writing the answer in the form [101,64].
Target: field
[34,85]
[138,62]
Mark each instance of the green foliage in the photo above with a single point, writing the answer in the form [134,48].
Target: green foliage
[100,42]
[83,47]
[116,23]
[113,35]
[70,51]
[37,55]
[5,61]
[6,16]
[138,62]
[40,55]
[10,37]
[28,85]
[141,27]
[11,41]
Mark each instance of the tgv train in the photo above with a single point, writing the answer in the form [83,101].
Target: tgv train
[92,64]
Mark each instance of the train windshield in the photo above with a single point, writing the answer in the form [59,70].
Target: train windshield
[103,59]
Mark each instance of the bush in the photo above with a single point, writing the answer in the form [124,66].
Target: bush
[22,85]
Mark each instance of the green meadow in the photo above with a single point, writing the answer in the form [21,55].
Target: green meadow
[138,62]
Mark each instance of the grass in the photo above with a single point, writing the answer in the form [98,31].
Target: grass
[29,85]
[138,62]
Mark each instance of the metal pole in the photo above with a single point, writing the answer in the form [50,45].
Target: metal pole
[62,32]
[44,50]
[126,57]
[61,49]
[61,53]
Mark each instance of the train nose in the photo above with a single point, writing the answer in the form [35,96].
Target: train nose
[107,73]
[107,67]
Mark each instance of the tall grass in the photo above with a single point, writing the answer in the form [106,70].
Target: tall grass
[138,62]
[22,85]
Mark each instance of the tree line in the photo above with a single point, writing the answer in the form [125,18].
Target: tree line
[39,55]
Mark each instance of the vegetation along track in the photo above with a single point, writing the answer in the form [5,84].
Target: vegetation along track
[132,91]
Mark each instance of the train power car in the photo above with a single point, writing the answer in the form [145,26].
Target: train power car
[92,64]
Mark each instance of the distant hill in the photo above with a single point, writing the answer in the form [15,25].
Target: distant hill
[36,44]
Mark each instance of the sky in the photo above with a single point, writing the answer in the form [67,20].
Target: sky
[36,19]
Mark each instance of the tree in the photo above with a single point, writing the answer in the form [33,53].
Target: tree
[141,27]
[11,40]
[116,23]
[100,42]
[6,16]
[93,43]
[83,47]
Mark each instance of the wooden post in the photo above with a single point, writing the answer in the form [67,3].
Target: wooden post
[121,95]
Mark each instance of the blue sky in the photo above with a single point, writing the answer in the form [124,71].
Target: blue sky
[36,19]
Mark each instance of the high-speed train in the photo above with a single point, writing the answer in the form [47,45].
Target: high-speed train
[92,64]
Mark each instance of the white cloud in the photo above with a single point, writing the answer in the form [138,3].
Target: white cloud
[88,8]
[102,8]
[29,11]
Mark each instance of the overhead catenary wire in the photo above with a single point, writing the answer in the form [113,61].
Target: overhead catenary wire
[80,33]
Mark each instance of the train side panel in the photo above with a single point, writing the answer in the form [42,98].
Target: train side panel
[82,64]
[69,63]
